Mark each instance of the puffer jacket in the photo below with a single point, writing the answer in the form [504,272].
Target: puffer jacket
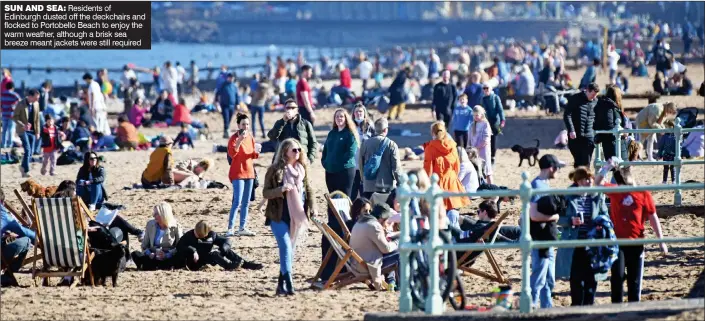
[606,115]
[579,115]
[300,126]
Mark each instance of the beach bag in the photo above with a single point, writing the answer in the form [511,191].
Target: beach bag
[602,257]
[371,166]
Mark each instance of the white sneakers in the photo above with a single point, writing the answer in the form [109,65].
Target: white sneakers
[242,232]
[91,207]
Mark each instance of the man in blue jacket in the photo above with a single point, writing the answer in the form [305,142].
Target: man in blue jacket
[14,245]
[495,115]
[474,90]
[228,100]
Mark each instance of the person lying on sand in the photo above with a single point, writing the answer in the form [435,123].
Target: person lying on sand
[195,250]
[191,171]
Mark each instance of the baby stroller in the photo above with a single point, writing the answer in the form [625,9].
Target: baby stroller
[687,117]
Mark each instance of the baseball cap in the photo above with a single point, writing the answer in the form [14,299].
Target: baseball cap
[549,161]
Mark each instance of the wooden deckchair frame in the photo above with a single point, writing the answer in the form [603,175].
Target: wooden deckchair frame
[78,207]
[28,224]
[464,262]
[343,226]
[338,280]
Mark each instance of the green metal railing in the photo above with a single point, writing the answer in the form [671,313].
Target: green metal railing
[434,305]
[677,162]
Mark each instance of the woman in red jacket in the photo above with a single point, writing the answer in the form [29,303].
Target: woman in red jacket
[182,115]
[243,150]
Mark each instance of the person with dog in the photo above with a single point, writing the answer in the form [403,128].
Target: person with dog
[161,236]
[441,158]
[15,241]
[51,143]
[580,216]
[444,99]
[609,114]
[495,115]
[579,119]
[481,139]
[389,169]
[26,118]
[160,169]
[653,117]
[290,204]
[629,211]
[243,150]
[293,125]
[89,182]
[543,262]
[461,121]
[195,249]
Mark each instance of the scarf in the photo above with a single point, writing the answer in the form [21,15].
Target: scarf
[294,176]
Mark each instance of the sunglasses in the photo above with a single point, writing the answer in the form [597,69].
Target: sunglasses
[296,150]
[93,158]
[291,107]
[486,88]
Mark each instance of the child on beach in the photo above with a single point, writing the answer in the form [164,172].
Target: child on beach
[667,151]
[462,118]
[184,140]
[480,136]
[51,142]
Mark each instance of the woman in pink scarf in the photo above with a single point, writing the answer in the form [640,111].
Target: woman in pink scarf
[289,206]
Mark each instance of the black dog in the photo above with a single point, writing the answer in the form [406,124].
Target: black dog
[107,263]
[527,153]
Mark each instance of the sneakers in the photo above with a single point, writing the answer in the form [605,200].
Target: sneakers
[91,207]
[230,233]
[246,232]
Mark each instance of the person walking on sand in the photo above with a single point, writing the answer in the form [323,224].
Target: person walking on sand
[365,129]
[26,118]
[579,118]
[290,204]
[228,99]
[397,94]
[495,115]
[481,138]
[292,125]
[96,105]
[461,121]
[444,99]
[242,149]
[51,143]
[9,102]
[389,169]
[304,99]
[441,158]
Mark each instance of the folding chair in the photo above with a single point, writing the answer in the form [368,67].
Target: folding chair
[340,205]
[468,259]
[63,235]
[345,254]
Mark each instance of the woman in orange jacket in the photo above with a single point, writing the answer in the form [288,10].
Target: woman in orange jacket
[441,157]
[242,149]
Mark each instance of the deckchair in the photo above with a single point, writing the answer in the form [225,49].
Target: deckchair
[340,205]
[345,253]
[26,224]
[466,261]
[63,235]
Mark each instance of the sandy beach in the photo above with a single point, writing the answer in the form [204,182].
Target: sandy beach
[249,295]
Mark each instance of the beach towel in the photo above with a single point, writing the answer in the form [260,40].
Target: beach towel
[294,177]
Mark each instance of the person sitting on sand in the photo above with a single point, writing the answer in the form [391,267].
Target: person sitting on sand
[89,182]
[126,134]
[162,234]
[137,112]
[195,250]
[191,171]
[184,140]
[182,115]
[161,164]
[163,109]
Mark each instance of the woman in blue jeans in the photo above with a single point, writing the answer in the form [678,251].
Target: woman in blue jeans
[289,206]
[242,150]
[89,182]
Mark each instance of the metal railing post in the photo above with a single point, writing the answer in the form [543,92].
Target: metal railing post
[618,141]
[434,303]
[405,303]
[597,157]
[677,198]
[525,244]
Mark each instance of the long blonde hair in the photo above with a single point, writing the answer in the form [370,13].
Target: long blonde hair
[281,159]
[349,124]
[481,111]
[165,212]
[439,130]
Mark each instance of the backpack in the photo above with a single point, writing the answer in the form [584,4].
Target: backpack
[602,257]
[372,165]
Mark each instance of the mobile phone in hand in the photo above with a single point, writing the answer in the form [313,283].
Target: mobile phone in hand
[241,132]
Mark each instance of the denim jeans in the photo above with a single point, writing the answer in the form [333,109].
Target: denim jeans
[227,116]
[38,144]
[28,143]
[19,247]
[8,129]
[242,189]
[281,234]
[388,260]
[257,111]
[91,194]
[543,278]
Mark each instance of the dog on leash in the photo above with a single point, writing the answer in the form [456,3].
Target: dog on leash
[34,189]
[527,153]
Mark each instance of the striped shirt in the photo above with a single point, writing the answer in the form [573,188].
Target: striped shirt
[8,102]
[584,206]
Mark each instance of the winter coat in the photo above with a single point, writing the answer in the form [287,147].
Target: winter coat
[579,115]
[441,158]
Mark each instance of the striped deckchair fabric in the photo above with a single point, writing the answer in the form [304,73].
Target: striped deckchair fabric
[62,237]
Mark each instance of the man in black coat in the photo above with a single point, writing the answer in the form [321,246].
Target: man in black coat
[444,98]
[579,118]
[195,250]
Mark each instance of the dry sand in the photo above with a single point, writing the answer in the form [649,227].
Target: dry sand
[216,294]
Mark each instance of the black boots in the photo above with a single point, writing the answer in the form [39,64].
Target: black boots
[288,284]
[280,285]
[248,265]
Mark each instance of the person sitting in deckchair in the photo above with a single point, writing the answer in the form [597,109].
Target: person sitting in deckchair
[471,229]
[371,240]
[15,244]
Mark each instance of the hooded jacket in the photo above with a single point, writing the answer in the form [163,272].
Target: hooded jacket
[441,157]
